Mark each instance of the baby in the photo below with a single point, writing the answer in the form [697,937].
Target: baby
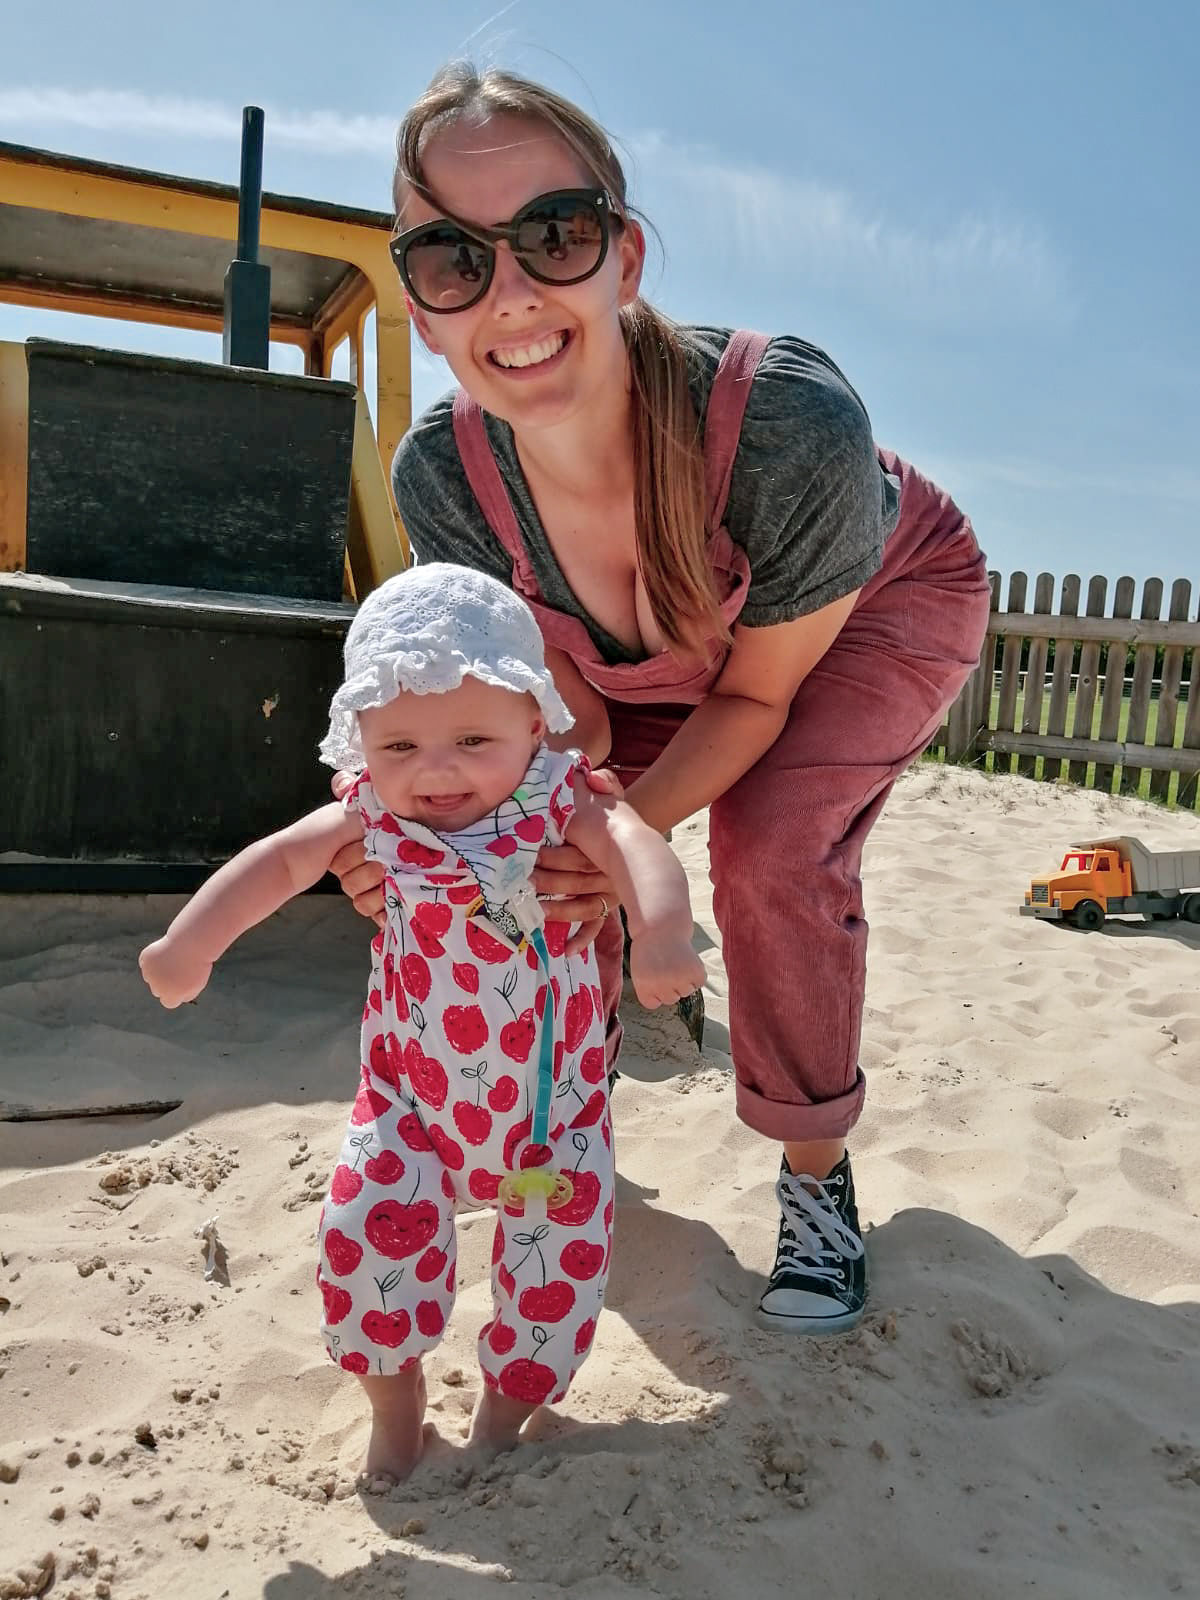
[483,1071]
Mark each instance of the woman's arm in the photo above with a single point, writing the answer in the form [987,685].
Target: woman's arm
[245,891]
[741,718]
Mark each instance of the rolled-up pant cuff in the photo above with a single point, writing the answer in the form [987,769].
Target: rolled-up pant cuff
[794,1123]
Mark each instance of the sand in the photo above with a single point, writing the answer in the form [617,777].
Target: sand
[1018,1413]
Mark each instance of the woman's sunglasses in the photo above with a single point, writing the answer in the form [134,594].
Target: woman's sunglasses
[558,238]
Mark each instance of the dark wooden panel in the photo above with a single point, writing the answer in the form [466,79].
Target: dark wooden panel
[158,743]
[151,469]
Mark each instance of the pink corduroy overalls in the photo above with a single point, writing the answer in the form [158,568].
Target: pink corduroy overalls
[785,841]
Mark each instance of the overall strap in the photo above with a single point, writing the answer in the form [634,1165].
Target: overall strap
[483,474]
[723,419]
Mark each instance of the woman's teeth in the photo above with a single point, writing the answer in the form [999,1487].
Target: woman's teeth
[532,355]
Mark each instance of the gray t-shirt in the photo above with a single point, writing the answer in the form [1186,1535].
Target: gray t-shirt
[809,503]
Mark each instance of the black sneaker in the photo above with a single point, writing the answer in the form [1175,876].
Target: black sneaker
[819,1282]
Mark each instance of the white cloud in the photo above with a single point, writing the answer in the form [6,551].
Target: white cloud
[128,111]
[802,230]
[775,225]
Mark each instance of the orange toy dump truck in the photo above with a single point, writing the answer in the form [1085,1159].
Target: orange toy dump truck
[1105,877]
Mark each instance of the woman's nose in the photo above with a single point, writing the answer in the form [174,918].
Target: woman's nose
[512,289]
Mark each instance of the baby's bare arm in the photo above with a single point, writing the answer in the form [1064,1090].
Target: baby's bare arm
[653,888]
[246,890]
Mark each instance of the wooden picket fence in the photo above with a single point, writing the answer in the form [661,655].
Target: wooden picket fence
[1042,669]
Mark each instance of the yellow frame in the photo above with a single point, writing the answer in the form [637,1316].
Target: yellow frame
[375,548]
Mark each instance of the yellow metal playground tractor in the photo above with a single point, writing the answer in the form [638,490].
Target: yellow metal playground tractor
[182,542]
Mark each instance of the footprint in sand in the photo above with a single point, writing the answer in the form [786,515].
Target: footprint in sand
[992,1367]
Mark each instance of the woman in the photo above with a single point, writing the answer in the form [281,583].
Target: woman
[745,604]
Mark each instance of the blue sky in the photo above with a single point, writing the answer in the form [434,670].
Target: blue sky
[986,214]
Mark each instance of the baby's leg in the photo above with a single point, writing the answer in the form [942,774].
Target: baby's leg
[397,1421]
[548,1280]
[387,1269]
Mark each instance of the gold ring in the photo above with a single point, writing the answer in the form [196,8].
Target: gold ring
[603,908]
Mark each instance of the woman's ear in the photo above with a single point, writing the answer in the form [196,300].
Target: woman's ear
[422,323]
[631,253]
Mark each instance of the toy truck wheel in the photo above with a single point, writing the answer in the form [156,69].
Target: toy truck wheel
[1088,915]
[1190,909]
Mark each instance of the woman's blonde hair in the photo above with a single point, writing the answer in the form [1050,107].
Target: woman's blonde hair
[670,502]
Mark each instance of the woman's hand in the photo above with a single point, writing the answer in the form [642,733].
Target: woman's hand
[587,895]
[361,880]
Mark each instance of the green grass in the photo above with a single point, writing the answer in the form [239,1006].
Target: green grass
[1121,784]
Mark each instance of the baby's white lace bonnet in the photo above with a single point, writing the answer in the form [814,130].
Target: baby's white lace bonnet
[427,629]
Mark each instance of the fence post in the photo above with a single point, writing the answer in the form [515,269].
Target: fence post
[1085,687]
[1010,668]
[1188,791]
[1113,700]
[1035,673]
[1143,683]
[1054,767]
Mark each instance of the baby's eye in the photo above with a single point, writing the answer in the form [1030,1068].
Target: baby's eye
[400,746]
[471,740]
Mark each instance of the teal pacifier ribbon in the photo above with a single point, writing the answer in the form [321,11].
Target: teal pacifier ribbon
[545,1070]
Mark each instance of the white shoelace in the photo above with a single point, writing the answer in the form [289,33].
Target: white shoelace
[817,1228]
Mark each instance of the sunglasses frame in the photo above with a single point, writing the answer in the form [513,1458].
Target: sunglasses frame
[506,232]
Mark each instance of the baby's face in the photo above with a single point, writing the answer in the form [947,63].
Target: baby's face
[448,759]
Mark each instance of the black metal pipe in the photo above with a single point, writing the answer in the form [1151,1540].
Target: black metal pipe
[250,190]
[245,341]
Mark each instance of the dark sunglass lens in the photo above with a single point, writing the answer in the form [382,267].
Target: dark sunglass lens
[445,267]
[561,238]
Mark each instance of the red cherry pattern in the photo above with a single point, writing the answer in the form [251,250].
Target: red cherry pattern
[345,1186]
[581,1259]
[414,973]
[451,1152]
[369,1106]
[397,1230]
[385,1168]
[450,1034]
[502,1338]
[466,1029]
[485,946]
[473,1122]
[431,1265]
[430,1318]
[483,1185]
[342,1254]
[531,1381]
[412,1130]
[338,1303]
[504,1094]
[548,1304]
[428,1076]
[591,1065]
[518,1036]
[388,1328]
[593,1110]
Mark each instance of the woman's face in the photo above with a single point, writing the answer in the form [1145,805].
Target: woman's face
[568,337]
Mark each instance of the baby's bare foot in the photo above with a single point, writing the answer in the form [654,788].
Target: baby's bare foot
[497,1422]
[397,1426]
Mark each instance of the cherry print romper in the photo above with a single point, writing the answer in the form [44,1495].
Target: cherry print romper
[450,1047]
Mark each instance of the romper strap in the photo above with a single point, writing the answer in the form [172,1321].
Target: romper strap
[723,419]
[483,474]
